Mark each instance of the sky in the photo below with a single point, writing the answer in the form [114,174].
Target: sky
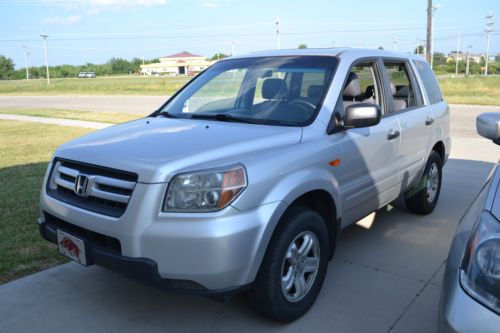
[82,31]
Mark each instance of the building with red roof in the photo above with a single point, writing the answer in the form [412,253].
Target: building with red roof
[183,63]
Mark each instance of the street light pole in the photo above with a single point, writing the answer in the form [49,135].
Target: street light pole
[489,29]
[44,36]
[278,32]
[434,8]
[458,48]
[26,54]
[468,60]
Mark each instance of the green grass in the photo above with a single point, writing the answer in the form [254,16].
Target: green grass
[471,90]
[104,117]
[25,151]
[133,85]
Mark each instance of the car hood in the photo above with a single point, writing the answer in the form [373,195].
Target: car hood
[156,148]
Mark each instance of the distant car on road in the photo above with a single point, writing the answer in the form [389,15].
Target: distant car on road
[84,75]
[470,297]
[243,180]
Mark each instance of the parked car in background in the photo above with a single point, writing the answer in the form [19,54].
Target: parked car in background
[84,75]
[243,179]
[470,297]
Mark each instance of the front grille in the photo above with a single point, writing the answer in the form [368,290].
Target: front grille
[106,191]
[94,238]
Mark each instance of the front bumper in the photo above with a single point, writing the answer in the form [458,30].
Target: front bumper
[194,252]
[141,269]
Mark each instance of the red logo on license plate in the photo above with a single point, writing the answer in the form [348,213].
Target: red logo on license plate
[70,246]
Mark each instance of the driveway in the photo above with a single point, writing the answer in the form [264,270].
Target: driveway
[386,276]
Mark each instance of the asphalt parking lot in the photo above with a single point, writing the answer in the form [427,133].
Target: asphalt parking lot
[386,276]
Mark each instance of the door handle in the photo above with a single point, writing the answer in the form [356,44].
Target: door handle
[392,134]
[429,121]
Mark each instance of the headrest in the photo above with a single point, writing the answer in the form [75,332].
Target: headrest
[352,88]
[403,92]
[393,89]
[314,91]
[274,88]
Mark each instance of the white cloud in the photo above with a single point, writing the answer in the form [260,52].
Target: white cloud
[61,20]
[127,3]
[209,4]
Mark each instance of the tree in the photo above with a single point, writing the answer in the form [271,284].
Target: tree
[439,59]
[219,56]
[6,68]
[497,57]
[302,46]
[420,50]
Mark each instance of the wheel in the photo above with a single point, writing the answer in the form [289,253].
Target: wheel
[423,198]
[294,267]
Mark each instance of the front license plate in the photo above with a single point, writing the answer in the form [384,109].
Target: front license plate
[72,247]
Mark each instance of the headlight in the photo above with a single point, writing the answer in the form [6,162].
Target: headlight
[480,273]
[209,190]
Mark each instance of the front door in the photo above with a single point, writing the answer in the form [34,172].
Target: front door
[368,172]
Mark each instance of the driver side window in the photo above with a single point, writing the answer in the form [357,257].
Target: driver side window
[361,86]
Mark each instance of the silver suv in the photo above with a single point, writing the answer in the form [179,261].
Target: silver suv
[243,179]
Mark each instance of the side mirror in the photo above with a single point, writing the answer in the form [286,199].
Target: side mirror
[362,115]
[488,126]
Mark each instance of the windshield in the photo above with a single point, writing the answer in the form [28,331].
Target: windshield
[273,90]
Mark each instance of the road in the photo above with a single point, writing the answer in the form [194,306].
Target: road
[385,277]
[463,116]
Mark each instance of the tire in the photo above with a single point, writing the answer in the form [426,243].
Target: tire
[268,295]
[423,198]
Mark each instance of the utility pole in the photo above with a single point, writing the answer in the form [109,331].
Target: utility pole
[278,32]
[456,54]
[429,32]
[434,8]
[489,29]
[44,36]
[232,47]
[26,54]
[468,60]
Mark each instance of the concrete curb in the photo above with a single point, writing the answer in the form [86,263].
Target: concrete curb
[56,121]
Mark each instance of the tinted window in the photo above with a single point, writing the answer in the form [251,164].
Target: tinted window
[429,80]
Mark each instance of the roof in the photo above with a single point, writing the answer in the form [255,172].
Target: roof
[184,55]
[334,52]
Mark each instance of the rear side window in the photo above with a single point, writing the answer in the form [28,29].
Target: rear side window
[404,95]
[429,80]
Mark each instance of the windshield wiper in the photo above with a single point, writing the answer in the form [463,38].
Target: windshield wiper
[163,113]
[223,117]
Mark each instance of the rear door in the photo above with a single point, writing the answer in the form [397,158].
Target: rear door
[407,105]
